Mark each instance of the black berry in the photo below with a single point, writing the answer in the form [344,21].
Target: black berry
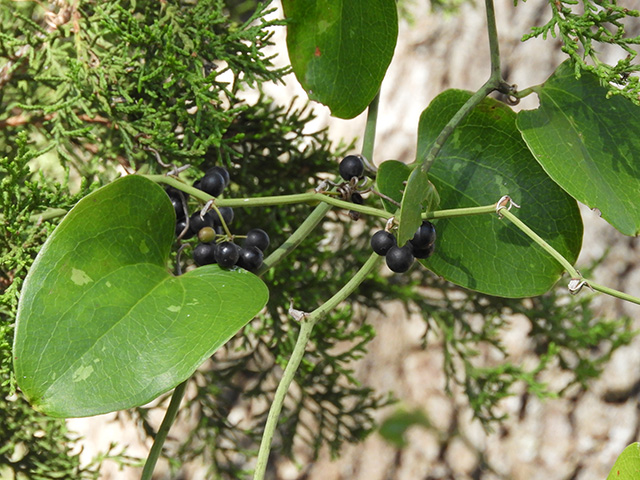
[382,241]
[250,258]
[203,254]
[256,237]
[176,200]
[197,223]
[399,259]
[180,226]
[227,215]
[424,236]
[424,252]
[351,166]
[212,183]
[207,235]
[222,171]
[226,254]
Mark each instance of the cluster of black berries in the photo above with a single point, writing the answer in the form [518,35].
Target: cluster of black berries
[209,227]
[400,259]
[227,254]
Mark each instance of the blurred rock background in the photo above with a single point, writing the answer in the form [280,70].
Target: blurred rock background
[577,437]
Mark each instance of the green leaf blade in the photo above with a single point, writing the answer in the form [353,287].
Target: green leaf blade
[484,159]
[390,181]
[627,465]
[588,144]
[340,50]
[410,216]
[102,331]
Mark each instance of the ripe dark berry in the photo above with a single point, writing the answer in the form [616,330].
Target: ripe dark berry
[227,215]
[351,166]
[203,254]
[399,259]
[178,207]
[250,258]
[207,235]
[256,237]
[180,226]
[212,183]
[382,241]
[425,236]
[176,197]
[222,171]
[197,223]
[424,252]
[227,254]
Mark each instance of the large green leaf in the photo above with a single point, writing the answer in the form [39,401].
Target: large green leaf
[102,325]
[588,144]
[627,466]
[340,49]
[484,159]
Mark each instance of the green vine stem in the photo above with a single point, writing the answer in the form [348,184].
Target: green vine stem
[309,197]
[163,431]
[493,83]
[291,243]
[368,141]
[460,212]
[614,293]
[307,322]
[575,275]
[536,238]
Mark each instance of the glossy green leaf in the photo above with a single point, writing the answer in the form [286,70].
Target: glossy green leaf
[588,144]
[340,49]
[390,180]
[484,159]
[413,204]
[102,325]
[627,466]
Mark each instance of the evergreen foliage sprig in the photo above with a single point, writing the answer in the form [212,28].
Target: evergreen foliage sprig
[585,28]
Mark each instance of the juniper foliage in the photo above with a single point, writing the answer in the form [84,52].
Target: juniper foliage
[586,28]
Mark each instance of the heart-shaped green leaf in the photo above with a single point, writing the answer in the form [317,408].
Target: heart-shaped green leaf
[484,159]
[588,144]
[340,49]
[102,325]
[627,466]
